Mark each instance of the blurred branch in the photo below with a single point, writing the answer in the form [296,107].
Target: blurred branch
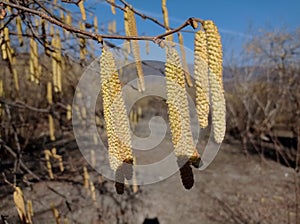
[13,154]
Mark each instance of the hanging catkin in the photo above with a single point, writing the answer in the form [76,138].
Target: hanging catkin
[58,88]
[132,31]
[56,63]
[82,10]
[82,44]
[10,55]
[166,19]
[34,66]
[19,30]
[20,205]
[184,62]
[69,22]
[1,95]
[179,117]
[214,49]
[126,42]
[96,27]
[113,8]
[201,78]
[117,124]
[3,46]
[50,118]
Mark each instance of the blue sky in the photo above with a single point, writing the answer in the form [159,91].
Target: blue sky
[237,20]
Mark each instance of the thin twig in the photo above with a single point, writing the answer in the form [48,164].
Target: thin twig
[141,14]
[22,105]
[17,142]
[96,36]
[13,154]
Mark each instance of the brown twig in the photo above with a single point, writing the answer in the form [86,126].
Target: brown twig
[23,166]
[17,142]
[96,36]
[141,14]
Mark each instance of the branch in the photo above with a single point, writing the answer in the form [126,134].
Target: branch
[70,1]
[22,105]
[138,13]
[13,154]
[99,37]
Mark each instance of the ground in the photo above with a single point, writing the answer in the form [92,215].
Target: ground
[235,188]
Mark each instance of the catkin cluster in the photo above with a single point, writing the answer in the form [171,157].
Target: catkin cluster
[208,77]
[215,59]
[117,124]
[179,117]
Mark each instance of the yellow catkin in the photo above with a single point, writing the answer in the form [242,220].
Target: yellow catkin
[95,139]
[10,55]
[55,214]
[50,118]
[20,205]
[98,121]
[44,25]
[31,66]
[127,47]
[83,113]
[48,154]
[93,158]
[68,20]
[58,58]
[86,178]
[184,62]
[115,115]
[29,211]
[82,44]
[82,10]
[201,78]
[63,19]
[116,120]
[59,158]
[51,127]
[166,18]
[49,93]
[96,27]
[178,105]
[93,192]
[19,30]
[3,46]
[147,47]
[54,62]
[113,8]
[114,26]
[35,68]
[132,31]
[179,118]
[215,59]
[69,112]
[135,186]
[1,95]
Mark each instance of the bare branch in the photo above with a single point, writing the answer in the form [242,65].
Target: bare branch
[99,37]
